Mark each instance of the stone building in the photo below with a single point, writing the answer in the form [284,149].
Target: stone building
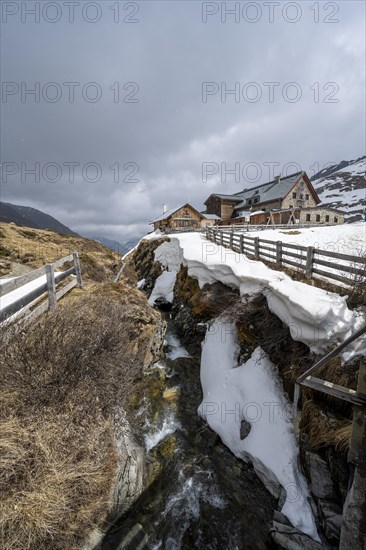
[280,197]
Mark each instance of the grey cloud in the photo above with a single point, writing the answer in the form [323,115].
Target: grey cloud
[171,132]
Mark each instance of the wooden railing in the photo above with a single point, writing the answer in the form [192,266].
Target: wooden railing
[329,388]
[26,301]
[312,261]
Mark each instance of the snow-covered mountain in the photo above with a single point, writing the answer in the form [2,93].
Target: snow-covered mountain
[343,186]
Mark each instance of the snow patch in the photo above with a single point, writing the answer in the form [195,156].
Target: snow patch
[253,392]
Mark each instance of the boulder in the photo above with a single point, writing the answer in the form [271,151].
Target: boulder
[321,484]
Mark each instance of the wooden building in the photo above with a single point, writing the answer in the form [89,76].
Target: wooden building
[281,196]
[184,217]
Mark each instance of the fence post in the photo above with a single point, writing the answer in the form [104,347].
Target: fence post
[222,238]
[231,239]
[51,288]
[279,254]
[75,255]
[309,262]
[241,246]
[256,248]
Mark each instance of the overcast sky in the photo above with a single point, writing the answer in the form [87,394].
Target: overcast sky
[151,130]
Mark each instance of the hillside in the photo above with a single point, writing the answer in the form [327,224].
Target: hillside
[23,249]
[343,186]
[27,216]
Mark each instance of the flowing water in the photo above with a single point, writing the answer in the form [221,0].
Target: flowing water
[200,495]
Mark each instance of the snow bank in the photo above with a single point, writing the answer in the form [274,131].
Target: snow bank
[253,392]
[315,317]
[164,286]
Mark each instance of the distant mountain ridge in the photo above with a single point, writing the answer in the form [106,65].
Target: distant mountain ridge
[26,216]
[343,186]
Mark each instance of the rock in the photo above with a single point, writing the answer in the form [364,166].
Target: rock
[245,428]
[288,538]
[162,304]
[330,515]
[321,484]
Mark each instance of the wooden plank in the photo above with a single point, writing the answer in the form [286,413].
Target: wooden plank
[294,246]
[290,262]
[51,287]
[42,308]
[329,275]
[340,267]
[263,247]
[338,255]
[266,255]
[18,304]
[335,390]
[256,248]
[309,262]
[20,281]
[63,260]
[79,279]
[333,353]
[279,254]
[293,255]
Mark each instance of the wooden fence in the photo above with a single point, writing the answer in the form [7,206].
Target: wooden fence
[24,303]
[312,261]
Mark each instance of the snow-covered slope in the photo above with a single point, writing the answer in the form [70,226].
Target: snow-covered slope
[315,317]
[343,186]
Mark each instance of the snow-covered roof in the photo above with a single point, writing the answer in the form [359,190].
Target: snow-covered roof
[210,216]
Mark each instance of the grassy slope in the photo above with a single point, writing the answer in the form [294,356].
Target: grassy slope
[62,379]
[35,247]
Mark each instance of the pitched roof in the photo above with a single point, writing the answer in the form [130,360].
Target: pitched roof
[170,212]
[269,191]
[222,196]
[210,216]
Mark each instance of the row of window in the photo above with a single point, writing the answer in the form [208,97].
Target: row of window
[317,218]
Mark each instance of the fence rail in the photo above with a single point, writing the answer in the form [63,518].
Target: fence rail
[23,304]
[312,261]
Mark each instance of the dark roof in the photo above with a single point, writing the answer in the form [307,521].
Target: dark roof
[269,191]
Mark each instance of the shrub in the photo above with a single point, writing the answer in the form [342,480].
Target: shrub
[61,379]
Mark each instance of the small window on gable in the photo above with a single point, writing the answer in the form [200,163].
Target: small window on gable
[307,197]
[294,195]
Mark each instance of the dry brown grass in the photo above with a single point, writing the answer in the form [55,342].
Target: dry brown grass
[36,247]
[324,428]
[61,379]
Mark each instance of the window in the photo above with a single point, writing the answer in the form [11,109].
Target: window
[318,218]
[186,214]
[308,217]
[307,197]
[335,219]
[294,195]
[256,200]
[301,196]
[327,219]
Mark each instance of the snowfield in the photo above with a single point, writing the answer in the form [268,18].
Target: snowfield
[253,392]
[345,239]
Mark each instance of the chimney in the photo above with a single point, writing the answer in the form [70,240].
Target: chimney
[277,178]
[164,208]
